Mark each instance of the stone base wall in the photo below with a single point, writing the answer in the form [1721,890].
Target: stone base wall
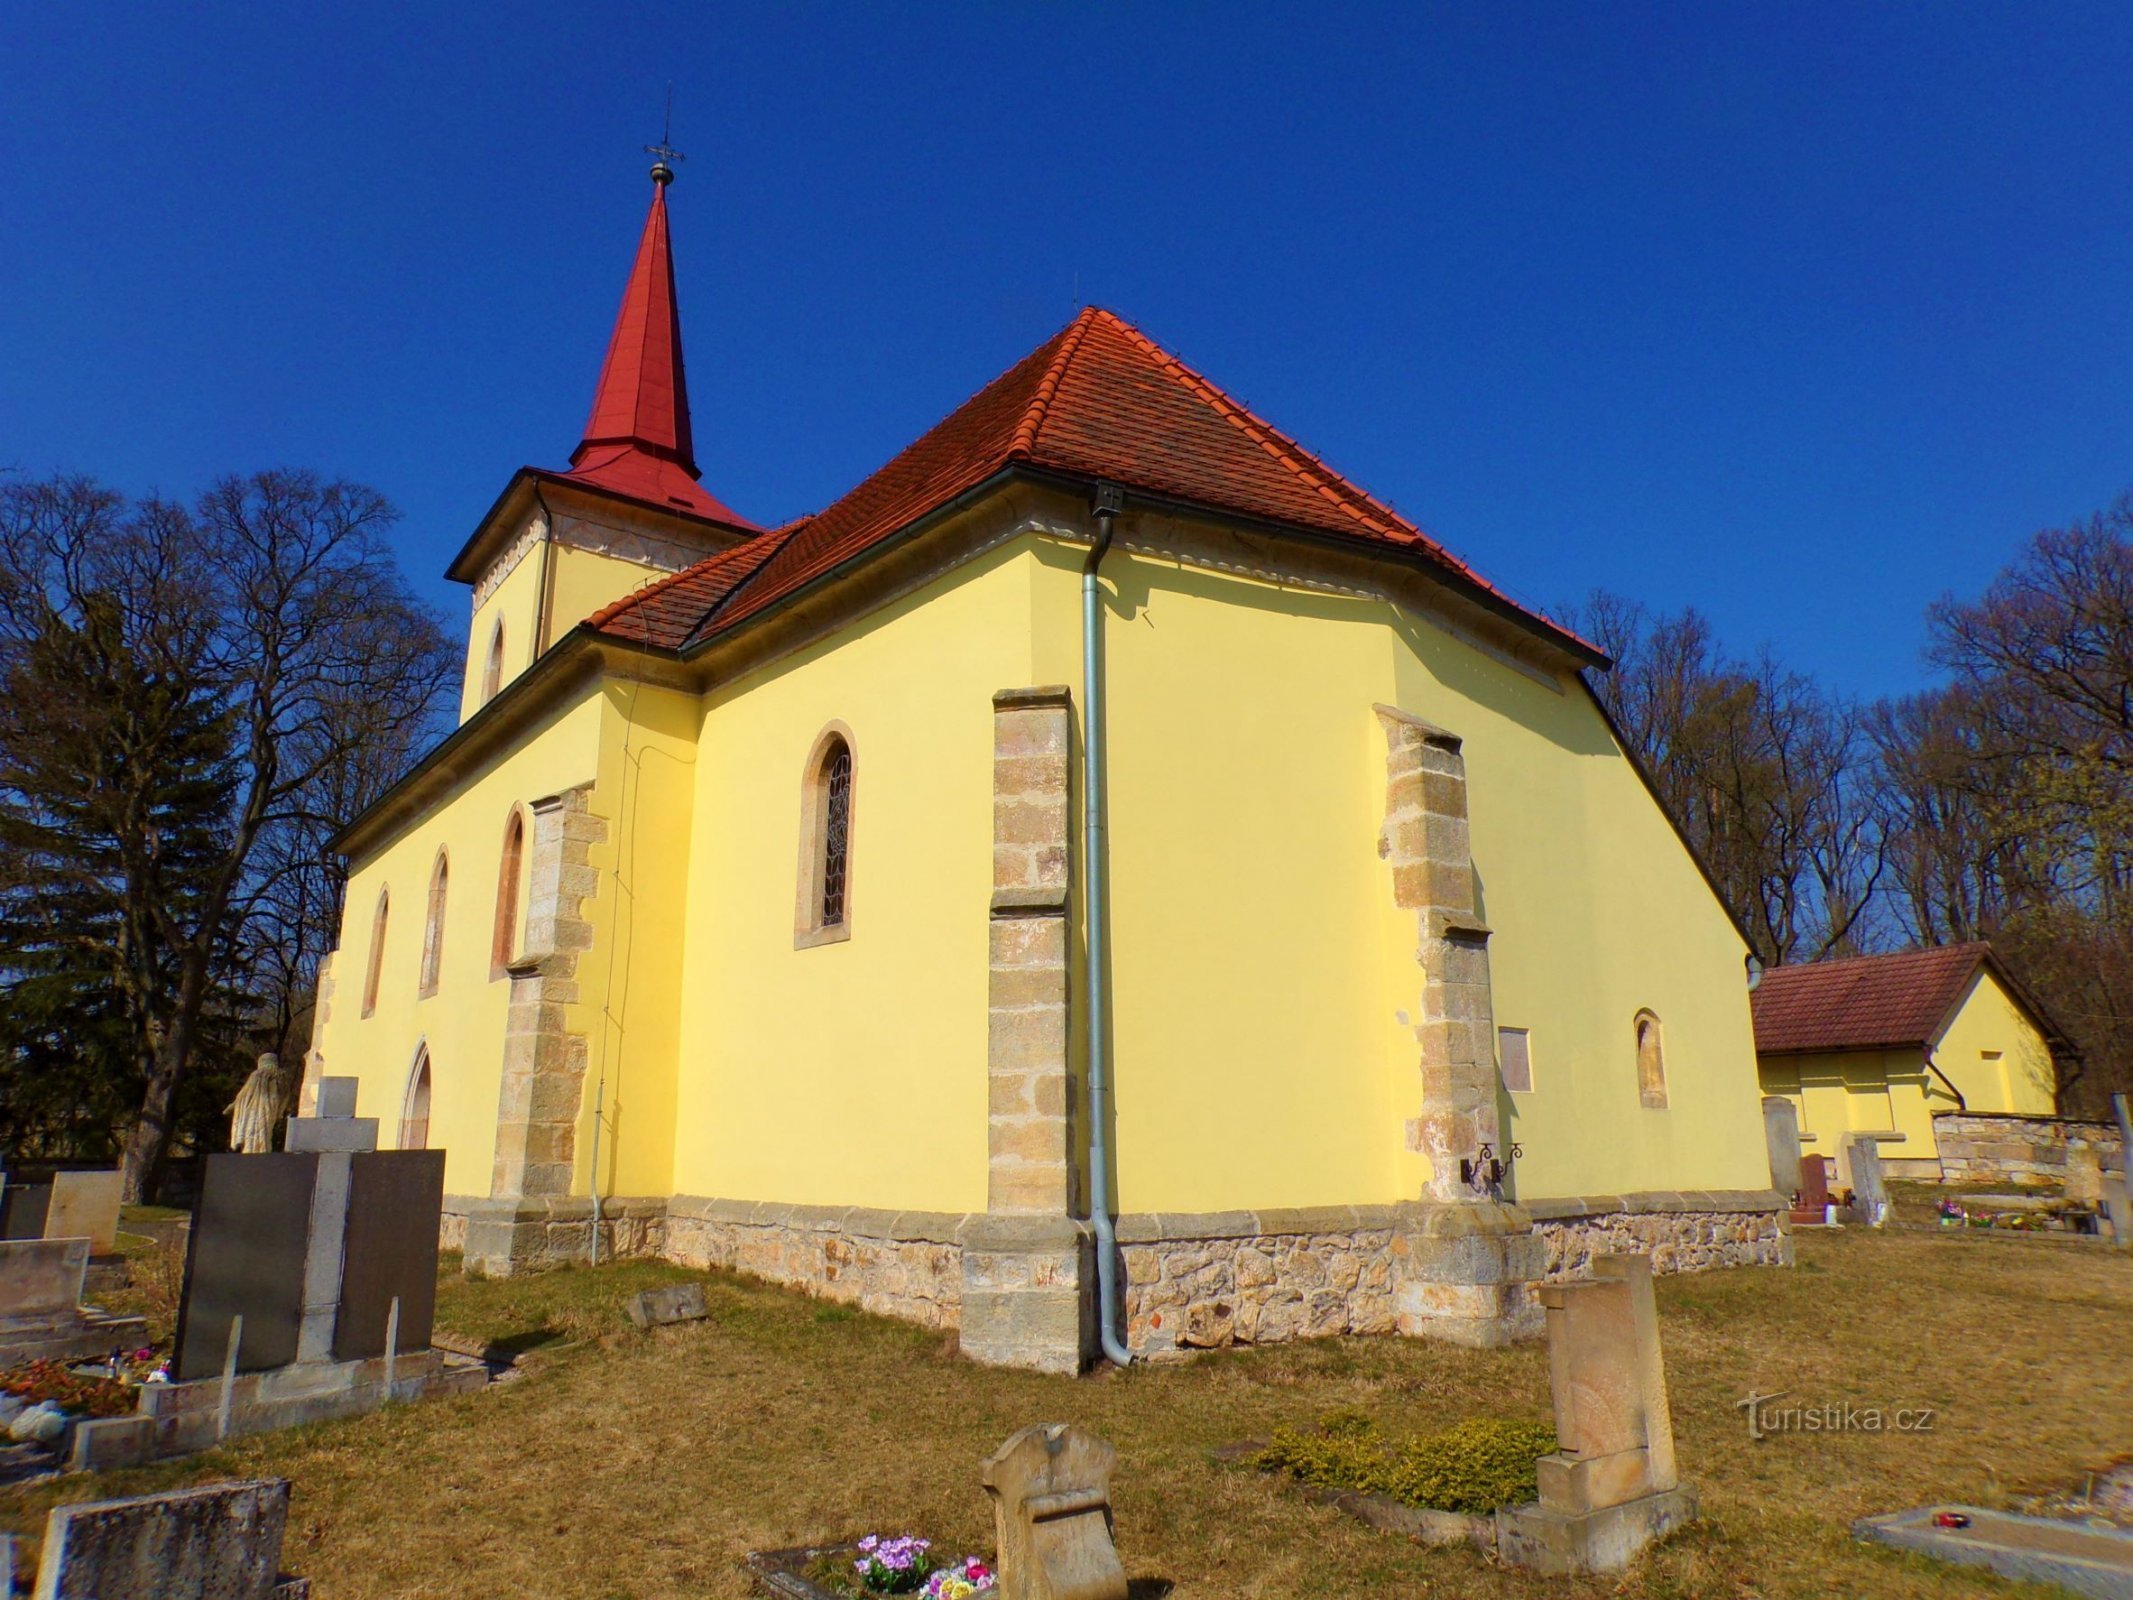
[906,1264]
[502,1238]
[1978,1149]
[1205,1281]
[1681,1233]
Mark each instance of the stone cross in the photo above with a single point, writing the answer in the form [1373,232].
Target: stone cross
[337,1134]
[1051,1494]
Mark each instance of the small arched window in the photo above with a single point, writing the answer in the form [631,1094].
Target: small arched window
[377,952]
[824,914]
[415,1108]
[503,942]
[492,670]
[1651,1063]
[433,927]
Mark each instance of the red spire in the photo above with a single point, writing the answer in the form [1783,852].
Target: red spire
[637,440]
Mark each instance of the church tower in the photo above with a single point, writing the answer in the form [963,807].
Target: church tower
[559,545]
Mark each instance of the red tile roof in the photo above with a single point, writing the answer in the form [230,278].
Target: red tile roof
[637,441]
[1097,400]
[1864,1002]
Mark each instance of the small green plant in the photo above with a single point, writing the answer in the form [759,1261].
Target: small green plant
[1473,1466]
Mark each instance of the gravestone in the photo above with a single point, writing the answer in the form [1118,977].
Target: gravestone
[85,1205]
[1870,1193]
[22,1210]
[1813,1204]
[222,1542]
[1781,1134]
[1611,1486]
[669,1303]
[1051,1500]
[2115,1203]
[41,1313]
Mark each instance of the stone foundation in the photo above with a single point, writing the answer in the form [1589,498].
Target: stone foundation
[1020,1288]
[905,1264]
[501,1238]
[1985,1151]
[1680,1232]
[1203,1281]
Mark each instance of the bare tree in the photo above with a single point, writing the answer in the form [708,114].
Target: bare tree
[275,599]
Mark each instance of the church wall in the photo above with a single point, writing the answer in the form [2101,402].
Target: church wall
[630,983]
[1599,913]
[851,1073]
[1250,1040]
[1266,990]
[515,600]
[462,1023]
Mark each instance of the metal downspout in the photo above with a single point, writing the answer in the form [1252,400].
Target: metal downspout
[1108,502]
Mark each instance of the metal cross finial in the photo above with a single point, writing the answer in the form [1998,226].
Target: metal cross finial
[664,153]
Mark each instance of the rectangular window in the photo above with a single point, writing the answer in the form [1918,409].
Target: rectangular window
[1514,1049]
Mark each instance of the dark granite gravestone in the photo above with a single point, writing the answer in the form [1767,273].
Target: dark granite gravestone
[246,1258]
[22,1210]
[395,1199]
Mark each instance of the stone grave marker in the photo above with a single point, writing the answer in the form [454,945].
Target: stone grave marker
[2116,1202]
[1814,1190]
[85,1205]
[1781,1134]
[41,1313]
[1611,1486]
[1870,1193]
[1051,1496]
[669,1303]
[221,1542]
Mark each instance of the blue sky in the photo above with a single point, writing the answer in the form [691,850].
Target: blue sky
[1802,314]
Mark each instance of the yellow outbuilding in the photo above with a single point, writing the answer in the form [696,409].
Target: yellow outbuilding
[1881,1045]
[1106,883]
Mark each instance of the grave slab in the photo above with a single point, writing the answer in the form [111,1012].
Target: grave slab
[2092,1561]
[669,1303]
[1781,1135]
[1870,1194]
[221,1542]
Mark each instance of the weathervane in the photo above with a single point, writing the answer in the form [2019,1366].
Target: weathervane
[664,151]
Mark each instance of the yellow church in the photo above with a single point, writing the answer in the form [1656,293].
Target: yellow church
[1106,885]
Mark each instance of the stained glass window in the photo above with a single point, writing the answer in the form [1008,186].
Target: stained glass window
[836,831]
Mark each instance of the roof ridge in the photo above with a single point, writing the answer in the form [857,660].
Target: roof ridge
[1331,483]
[1024,442]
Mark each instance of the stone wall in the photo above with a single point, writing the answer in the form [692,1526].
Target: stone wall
[906,1264]
[1990,1151]
[531,1235]
[1680,1232]
[1205,1281]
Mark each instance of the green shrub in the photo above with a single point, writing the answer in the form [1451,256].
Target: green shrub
[1473,1466]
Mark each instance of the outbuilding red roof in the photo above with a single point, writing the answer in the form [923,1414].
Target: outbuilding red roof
[1098,400]
[1864,1002]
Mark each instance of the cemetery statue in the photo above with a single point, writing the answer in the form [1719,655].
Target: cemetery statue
[259,1105]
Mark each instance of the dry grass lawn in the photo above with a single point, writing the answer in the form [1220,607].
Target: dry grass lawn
[635,1465]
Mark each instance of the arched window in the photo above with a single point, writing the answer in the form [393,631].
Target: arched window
[492,671]
[433,927]
[824,914]
[377,953]
[1651,1063]
[415,1108]
[503,942]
